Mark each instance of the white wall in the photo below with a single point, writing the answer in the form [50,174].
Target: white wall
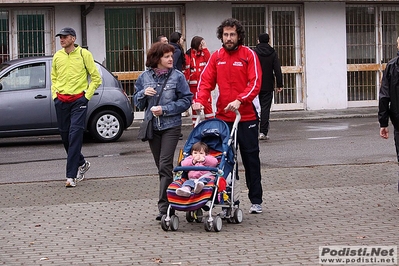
[325,56]
[65,17]
[69,16]
[96,33]
[203,18]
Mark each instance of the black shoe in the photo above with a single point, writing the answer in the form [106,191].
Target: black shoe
[181,137]
[159,216]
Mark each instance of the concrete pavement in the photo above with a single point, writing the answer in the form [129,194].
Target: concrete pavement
[111,221]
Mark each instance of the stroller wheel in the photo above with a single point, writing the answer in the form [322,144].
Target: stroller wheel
[217,224]
[164,224]
[190,216]
[174,223]
[207,225]
[198,214]
[238,215]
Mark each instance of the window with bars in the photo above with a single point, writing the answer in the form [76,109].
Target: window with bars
[25,33]
[30,31]
[129,32]
[124,39]
[4,33]
[371,33]
[283,26]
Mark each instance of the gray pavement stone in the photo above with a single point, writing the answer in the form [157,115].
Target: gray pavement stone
[111,221]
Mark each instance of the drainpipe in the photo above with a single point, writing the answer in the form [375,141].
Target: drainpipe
[84,12]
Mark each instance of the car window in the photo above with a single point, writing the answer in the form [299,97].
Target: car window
[24,77]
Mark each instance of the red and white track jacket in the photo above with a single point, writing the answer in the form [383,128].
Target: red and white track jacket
[239,75]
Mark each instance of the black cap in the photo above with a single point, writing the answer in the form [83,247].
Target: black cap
[66,32]
[263,38]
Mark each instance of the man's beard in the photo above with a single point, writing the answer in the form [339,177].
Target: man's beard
[231,48]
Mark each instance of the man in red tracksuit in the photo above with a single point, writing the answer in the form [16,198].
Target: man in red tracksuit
[237,71]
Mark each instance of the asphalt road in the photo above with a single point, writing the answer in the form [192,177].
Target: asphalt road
[291,144]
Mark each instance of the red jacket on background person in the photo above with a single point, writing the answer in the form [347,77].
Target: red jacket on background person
[241,80]
[195,63]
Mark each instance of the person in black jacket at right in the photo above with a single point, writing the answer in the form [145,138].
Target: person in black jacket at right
[388,105]
[271,70]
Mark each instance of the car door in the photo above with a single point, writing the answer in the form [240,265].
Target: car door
[25,98]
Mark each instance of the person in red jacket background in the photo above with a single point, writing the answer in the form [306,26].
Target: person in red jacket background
[237,71]
[196,59]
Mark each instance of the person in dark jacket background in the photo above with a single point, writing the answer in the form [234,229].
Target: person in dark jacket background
[271,70]
[176,39]
[388,106]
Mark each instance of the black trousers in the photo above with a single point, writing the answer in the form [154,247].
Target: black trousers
[248,144]
[71,119]
[396,138]
[265,100]
[163,147]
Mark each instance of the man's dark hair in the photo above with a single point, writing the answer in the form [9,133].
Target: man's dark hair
[155,53]
[159,37]
[232,22]
[175,37]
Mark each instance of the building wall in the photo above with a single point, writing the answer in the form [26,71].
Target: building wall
[325,56]
[203,18]
[324,43]
[69,16]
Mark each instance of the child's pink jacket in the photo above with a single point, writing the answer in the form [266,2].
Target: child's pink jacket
[209,161]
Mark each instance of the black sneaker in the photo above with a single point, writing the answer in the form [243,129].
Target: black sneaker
[159,216]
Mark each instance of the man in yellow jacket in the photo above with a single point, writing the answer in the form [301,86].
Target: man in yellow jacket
[71,92]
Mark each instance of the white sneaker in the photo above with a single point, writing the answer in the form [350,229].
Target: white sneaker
[198,187]
[255,208]
[263,137]
[70,182]
[82,170]
[183,192]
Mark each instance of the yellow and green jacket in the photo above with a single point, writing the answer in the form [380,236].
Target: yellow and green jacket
[70,71]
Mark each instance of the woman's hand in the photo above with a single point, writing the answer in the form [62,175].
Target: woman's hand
[156,110]
[197,106]
[149,91]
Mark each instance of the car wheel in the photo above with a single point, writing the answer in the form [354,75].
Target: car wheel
[106,126]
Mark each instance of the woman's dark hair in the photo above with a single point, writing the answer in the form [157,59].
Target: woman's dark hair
[175,37]
[198,146]
[155,53]
[196,42]
[232,22]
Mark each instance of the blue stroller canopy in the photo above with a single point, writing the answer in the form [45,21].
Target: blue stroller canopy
[216,134]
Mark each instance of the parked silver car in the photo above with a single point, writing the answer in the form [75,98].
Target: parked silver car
[27,109]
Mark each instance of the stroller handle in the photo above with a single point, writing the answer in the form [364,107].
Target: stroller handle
[238,118]
[201,112]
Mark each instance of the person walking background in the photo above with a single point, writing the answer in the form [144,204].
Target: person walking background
[71,93]
[388,106]
[175,99]
[176,40]
[271,72]
[162,38]
[196,59]
[236,69]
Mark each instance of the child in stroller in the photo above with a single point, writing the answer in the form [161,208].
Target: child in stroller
[221,191]
[197,179]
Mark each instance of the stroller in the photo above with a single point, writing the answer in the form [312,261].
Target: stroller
[220,192]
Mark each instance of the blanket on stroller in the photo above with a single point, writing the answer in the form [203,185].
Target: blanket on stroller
[194,202]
